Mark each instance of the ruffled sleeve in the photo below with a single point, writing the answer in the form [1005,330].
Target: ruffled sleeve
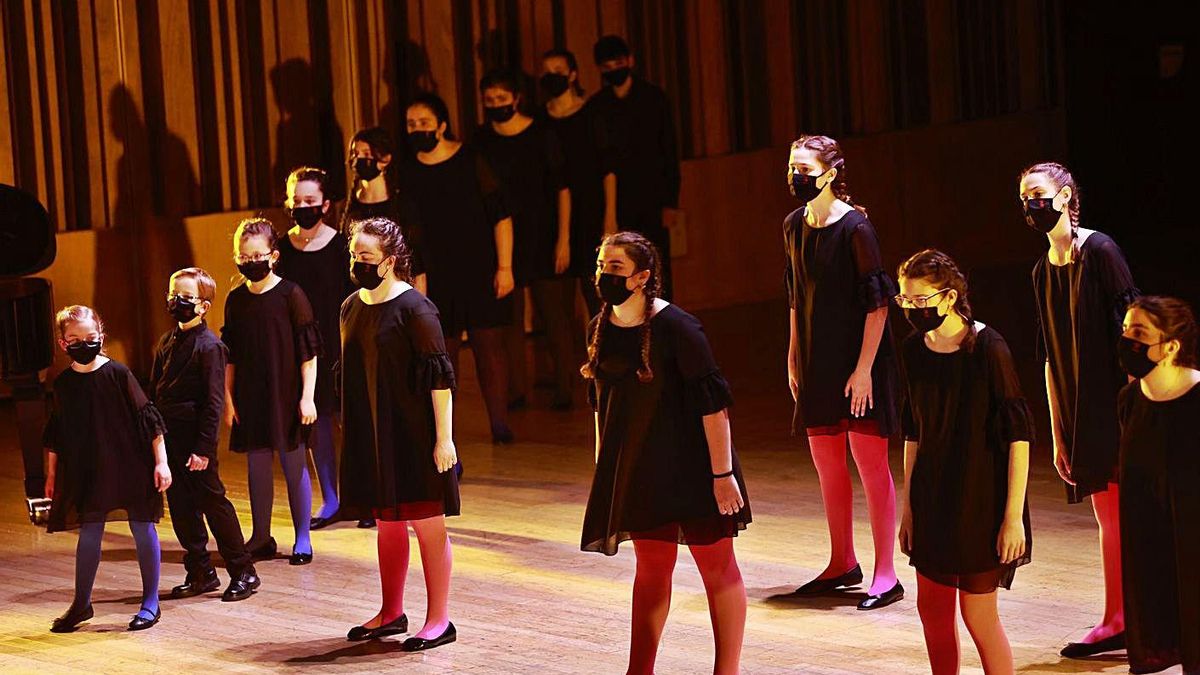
[705,389]
[1115,278]
[150,423]
[709,394]
[432,369]
[875,287]
[1012,420]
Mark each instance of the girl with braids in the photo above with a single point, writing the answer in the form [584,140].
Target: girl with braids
[398,450]
[967,432]
[841,368]
[1082,287]
[313,255]
[666,471]
[1160,468]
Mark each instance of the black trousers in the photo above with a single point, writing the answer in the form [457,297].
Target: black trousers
[198,495]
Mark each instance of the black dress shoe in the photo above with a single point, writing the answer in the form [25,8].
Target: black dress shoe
[196,585]
[819,586]
[894,594]
[394,627]
[140,623]
[1079,650]
[68,622]
[416,644]
[318,522]
[366,523]
[242,587]
[300,559]
[265,552]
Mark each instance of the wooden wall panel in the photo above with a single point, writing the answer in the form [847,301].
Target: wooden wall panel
[582,31]
[780,71]
[8,171]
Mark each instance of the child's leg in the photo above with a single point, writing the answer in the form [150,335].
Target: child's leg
[260,466]
[210,499]
[437,560]
[299,487]
[651,600]
[871,456]
[392,545]
[149,561]
[938,608]
[829,456]
[87,561]
[325,460]
[983,623]
[1108,517]
[187,518]
[726,601]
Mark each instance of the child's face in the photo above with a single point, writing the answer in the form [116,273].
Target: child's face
[251,248]
[187,288]
[305,193]
[79,331]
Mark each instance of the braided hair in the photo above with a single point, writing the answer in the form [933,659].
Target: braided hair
[829,152]
[939,270]
[390,240]
[1061,177]
[645,257]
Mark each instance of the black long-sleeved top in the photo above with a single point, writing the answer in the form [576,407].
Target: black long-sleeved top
[645,153]
[187,382]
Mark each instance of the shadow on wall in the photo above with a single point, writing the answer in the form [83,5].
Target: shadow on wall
[405,75]
[308,133]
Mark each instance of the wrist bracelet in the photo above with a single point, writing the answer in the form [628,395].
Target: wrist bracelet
[723,475]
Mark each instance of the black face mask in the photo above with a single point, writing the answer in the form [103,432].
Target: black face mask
[804,187]
[502,113]
[180,309]
[1040,214]
[84,352]
[554,84]
[366,275]
[366,168]
[307,217]
[256,270]
[422,141]
[615,77]
[1135,357]
[612,289]
[924,319]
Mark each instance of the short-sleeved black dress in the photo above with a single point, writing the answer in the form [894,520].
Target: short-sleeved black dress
[459,202]
[1080,310]
[269,336]
[963,409]
[1160,529]
[102,430]
[394,356]
[654,479]
[324,276]
[834,278]
[587,160]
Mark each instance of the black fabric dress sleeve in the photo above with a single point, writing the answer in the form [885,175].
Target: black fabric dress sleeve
[705,387]
[875,286]
[789,283]
[229,331]
[1041,352]
[150,422]
[411,226]
[212,405]
[1115,279]
[556,164]
[156,370]
[431,368]
[495,204]
[603,143]
[1009,410]
[908,422]
[304,326]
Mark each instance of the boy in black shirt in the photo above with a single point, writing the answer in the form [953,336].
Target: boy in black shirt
[187,384]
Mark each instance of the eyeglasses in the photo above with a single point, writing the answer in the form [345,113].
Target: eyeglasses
[184,297]
[258,257]
[919,302]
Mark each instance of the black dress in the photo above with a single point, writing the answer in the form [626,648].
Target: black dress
[530,167]
[324,276]
[963,409]
[393,356]
[1080,309]
[654,475]
[102,430]
[459,202]
[588,161]
[1160,529]
[398,209]
[834,278]
[269,336]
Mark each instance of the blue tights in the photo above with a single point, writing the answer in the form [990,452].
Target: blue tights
[87,561]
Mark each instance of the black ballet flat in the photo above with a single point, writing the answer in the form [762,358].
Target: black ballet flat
[318,522]
[894,594]
[265,552]
[138,623]
[69,622]
[1080,650]
[821,586]
[300,559]
[242,587]
[394,627]
[366,523]
[416,644]
[197,585]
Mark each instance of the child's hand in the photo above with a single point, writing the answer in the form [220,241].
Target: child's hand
[308,411]
[445,456]
[49,490]
[197,463]
[162,476]
[231,416]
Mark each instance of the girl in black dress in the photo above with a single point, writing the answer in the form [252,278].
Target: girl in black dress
[467,240]
[313,255]
[967,431]
[528,160]
[270,384]
[375,191]
[398,451]
[1159,470]
[589,174]
[666,470]
[1082,287]
[107,461]
[841,368]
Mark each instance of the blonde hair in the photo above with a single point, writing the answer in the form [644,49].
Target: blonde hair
[77,314]
[204,281]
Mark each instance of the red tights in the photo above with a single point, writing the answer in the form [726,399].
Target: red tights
[938,606]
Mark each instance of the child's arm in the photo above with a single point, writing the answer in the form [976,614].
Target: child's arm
[910,458]
[308,409]
[51,471]
[445,455]
[720,455]
[162,472]
[1010,545]
[231,416]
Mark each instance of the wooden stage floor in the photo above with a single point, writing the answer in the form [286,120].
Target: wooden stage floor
[525,599]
